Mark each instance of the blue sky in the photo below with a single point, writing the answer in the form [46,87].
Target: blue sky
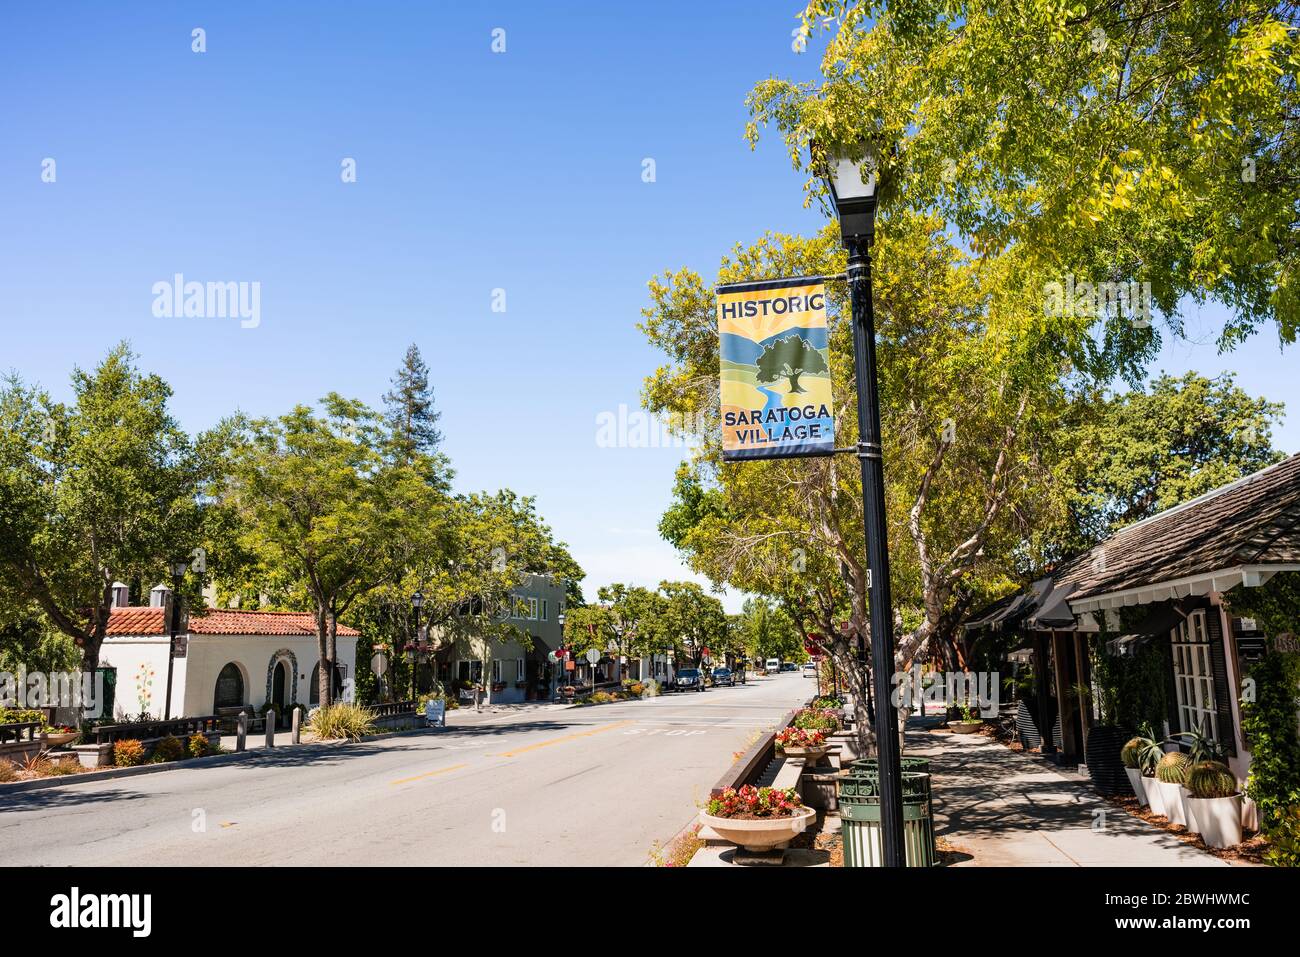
[476,171]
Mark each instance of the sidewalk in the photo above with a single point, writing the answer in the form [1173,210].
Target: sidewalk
[1007,809]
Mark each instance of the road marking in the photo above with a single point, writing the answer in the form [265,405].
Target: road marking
[567,737]
[428,774]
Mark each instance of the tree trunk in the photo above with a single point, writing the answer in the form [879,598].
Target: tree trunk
[324,685]
[795,387]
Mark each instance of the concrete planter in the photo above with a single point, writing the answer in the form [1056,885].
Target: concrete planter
[850,748]
[760,834]
[1135,779]
[1171,802]
[810,756]
[964,727]
[1151,788]
[1217,820]
[817,790]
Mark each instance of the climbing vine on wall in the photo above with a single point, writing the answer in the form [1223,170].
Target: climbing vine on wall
[1269,714]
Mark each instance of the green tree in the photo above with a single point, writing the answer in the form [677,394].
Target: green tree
[690,621]
[1151,449]
[409,410]
[324,511]
[976,430]
[768,631]
[105,489]
[789,358]
[1110,142]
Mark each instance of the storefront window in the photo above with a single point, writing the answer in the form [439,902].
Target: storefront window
[1194,677]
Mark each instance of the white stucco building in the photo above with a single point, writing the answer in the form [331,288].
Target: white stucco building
[225,658]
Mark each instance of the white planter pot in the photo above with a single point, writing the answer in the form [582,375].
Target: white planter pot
[760,834]
[1171,802]
[1218,820]
[1151,789]
[1135,781]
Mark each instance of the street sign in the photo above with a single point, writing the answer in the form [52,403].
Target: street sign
[569,664]
[593,656]
[379,663]
[181,647]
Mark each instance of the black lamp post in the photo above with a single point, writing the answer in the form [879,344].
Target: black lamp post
[559,662]
[413,650]
[851,176]
[177,569]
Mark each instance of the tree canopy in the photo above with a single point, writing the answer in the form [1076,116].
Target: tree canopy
[1118,141]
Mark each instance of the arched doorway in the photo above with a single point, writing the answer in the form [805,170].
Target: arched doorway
[230,688]
[279,681]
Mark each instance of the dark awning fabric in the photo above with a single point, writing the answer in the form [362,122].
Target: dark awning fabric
[1054,607]
[1007,613]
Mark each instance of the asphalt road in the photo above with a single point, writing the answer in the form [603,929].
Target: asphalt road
[578,786]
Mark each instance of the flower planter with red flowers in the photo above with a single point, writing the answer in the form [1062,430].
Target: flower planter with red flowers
[803,743]
[757,819]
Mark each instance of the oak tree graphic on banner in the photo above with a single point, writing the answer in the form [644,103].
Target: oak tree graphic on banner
[789,358]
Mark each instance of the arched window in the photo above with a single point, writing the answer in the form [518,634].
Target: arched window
[230,687]
[313,691]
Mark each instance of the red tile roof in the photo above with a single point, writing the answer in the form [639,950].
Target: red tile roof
[219,621]
[136,621]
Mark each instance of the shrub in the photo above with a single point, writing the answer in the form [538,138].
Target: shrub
[637,689]
[23,716]
[7,771]
[342,720]
[198,745]
[170,748]
[1284,839]
[1211,779]
[1172,768]
[58,769]
[128,752]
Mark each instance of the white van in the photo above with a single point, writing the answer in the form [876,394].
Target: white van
[773,665]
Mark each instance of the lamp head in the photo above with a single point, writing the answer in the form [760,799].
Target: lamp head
[851,175]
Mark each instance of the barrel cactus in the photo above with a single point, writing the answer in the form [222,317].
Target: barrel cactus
[1131,754]
[1172,768]
[1211,779]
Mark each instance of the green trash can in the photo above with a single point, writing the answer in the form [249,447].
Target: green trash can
[868,765]
[859,801]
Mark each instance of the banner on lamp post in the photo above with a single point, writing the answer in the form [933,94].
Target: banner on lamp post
[775,369]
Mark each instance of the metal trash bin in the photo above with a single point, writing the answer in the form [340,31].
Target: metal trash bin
[859,801]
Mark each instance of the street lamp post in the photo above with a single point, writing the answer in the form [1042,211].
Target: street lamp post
[855,203]
[413,654]
[558,664]
[177,569]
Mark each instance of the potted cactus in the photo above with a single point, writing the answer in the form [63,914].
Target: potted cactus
[1214,803]
[1171,771]
[1131,755]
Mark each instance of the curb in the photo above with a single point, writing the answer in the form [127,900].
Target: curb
[39,784]
[231,757]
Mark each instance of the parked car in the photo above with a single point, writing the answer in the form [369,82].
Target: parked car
[689,679]
[773,665]
[789,666]
[723,676]
[810,669]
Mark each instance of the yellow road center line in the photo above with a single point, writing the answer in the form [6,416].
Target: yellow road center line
[567,737]
[428,774]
